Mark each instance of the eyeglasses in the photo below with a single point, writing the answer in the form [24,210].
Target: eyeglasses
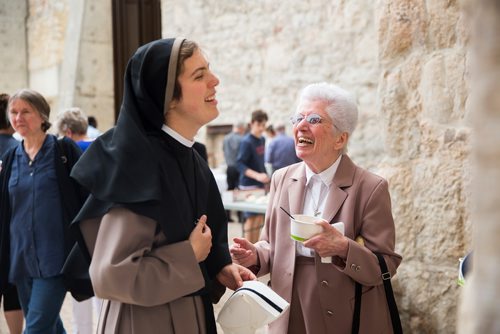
[312,119]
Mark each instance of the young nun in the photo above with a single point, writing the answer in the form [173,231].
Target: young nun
[154,225]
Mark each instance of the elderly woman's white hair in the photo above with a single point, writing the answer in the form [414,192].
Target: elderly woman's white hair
[73,119]
[341,105]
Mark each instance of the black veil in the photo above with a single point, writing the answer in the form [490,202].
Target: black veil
[117,166]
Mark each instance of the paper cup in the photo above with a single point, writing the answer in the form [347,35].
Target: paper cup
[303,227]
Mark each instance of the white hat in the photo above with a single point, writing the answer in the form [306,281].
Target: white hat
[251,307]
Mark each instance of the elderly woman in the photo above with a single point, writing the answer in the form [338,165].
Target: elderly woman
[72,123]
[155,225]
[329,186]
[38,201]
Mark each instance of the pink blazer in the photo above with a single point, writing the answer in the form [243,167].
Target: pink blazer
[361,200]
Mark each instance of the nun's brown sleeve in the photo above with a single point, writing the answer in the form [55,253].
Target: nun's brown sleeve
[125,268]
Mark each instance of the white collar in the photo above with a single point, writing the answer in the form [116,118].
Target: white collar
[327,175]
[174,134]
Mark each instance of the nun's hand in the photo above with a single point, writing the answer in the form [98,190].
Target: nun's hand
[233,275]
[243,252]
[201,239]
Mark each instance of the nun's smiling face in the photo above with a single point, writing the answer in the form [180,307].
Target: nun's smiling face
[198,103]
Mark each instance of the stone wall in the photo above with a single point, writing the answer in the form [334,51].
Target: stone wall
[407,63]
[422,97]
[13,58]
[46,25]
[94,88]
[265,51]
[63,49]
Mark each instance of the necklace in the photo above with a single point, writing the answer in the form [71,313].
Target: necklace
[316,203]
[315,206]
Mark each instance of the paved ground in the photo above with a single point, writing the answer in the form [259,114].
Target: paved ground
[66,313]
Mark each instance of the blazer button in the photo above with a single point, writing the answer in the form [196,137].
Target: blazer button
[358,268]
[330,313]
[353,266]
[324,284]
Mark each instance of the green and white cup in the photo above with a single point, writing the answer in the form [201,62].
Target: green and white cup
[303,228]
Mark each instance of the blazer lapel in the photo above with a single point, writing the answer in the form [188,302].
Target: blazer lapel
[343,178]
[296,190]
[334,201]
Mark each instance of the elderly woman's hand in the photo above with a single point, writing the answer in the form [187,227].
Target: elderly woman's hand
[243,252]
[328,243]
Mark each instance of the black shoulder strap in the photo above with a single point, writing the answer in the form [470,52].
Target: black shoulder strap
[393,308]
[357,308]
[389,294]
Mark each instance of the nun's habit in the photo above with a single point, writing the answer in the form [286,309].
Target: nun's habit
[147,189]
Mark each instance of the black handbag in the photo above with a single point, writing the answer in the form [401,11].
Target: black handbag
[391,302]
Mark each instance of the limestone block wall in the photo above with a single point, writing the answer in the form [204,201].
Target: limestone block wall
[71,55]
[63,49]
[422,96]
[13,56]
[94,88]
[46,25]
[265,51]
[407,63]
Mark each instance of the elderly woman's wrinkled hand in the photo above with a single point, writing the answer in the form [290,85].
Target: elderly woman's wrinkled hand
[328,243]
[243,252]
